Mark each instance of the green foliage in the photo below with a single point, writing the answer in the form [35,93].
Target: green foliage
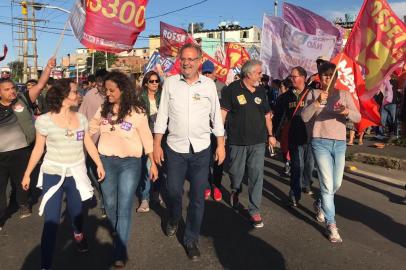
[100,60]
[16,70]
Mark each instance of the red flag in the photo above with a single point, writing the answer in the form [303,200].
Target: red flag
[377,42]
[236,55]
[350,79]
[112,26]
[220,70]
[172,38]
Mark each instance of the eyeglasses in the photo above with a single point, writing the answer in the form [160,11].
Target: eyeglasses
[189,59]
[154,81]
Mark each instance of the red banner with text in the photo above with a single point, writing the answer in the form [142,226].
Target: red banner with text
[113,25]
[236,55]
[172,38]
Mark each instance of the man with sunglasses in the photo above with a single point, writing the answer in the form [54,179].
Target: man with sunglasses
[189,105]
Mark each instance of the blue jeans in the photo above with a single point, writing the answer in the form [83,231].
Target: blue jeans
[52,214]
[330,159]
[122,178]
[250,157]
[195,168]
[302,165]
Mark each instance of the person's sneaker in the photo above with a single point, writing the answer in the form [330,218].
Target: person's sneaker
[287,168]
[207,193]
[192,251]
[257,221]
[217,196]
[103,213]
[25,211]
[144,207]
[307,191]
[81,243]
[171,228]
[319,213]
[118,264]
[292,201]
[234,201]
[333,234]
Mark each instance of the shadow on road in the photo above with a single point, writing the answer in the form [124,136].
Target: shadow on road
[235,247]
[66,257]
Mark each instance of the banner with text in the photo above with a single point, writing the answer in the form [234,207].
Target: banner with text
[283,47]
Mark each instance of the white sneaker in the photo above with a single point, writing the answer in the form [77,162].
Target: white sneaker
[333,234]
[144,207]
[319,213]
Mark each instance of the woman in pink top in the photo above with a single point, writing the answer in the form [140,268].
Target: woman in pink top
[124,135]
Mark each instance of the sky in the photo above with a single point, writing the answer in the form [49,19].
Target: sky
[210,12]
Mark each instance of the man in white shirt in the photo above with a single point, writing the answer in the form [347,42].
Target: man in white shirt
[190,102]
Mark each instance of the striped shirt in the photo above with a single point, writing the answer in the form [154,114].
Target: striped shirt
[59,147]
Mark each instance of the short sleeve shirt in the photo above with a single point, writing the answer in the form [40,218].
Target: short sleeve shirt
[60,147]
[246,114]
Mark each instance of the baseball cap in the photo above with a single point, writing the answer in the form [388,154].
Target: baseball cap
[207,67]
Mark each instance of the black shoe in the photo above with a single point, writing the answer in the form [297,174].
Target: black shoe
[81,246]
[25,211]
[234,201]
[192,251]
[171,228]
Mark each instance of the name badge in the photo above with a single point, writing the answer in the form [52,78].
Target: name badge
[18,108]
[80,135]
[126,126]
[258,100]
[241,99]
[105,121]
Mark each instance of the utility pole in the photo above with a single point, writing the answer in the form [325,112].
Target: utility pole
[107,63]
[34,41]
[275,9]
[25,40]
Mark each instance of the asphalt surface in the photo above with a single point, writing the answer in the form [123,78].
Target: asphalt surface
[370,215]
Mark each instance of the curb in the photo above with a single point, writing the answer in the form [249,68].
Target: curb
[383,161]
[355,171]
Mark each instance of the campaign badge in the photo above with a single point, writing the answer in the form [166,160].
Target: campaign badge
[241,99]
[126,126]
[18,108]
[258,100]
[80,135]
[105,121]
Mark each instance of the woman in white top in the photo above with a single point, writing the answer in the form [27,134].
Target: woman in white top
[64,132]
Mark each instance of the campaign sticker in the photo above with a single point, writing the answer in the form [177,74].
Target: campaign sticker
[241,99]
[80,135]
[258,100]
[18,108]
[126,126]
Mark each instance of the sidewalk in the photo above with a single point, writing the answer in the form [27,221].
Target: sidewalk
[391,156]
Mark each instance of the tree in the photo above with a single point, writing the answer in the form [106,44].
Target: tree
[199,26]
[16,70]
[100,60]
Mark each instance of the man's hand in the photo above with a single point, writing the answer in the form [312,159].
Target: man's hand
[158,154]
[271,141]
[220,154]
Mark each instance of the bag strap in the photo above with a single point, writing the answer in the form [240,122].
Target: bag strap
[300,102]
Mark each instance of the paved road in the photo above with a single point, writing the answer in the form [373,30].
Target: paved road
[370,214]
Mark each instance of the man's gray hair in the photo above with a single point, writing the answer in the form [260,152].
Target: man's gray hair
[249,66]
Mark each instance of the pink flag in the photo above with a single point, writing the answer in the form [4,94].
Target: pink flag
[311,23]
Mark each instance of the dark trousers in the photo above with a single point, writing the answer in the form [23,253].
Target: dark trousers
[92,173]
[12,166]
[52,214]
[215,171]
[195,168]
[302,165]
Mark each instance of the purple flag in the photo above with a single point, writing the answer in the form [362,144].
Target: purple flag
[311,23]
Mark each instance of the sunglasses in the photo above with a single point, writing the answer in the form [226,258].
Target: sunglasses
[154,81]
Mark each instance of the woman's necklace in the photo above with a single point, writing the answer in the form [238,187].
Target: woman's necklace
[69,132]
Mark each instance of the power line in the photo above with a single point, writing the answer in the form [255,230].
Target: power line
[173,11]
